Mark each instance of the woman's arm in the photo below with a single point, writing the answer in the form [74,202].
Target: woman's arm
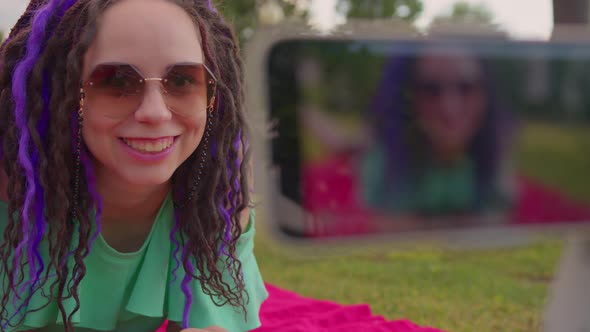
[333,134]
[174,327]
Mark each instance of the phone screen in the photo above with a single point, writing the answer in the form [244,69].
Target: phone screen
[378,136]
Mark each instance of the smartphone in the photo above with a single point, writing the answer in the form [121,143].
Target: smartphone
[401,139]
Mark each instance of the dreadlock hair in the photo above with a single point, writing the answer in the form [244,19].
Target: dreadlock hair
[40,74]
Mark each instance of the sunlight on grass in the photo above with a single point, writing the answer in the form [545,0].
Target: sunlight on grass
[456,291]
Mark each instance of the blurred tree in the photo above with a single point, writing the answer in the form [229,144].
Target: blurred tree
[464,12]
[466,19]
[245,15]
[404,9]
[1,36]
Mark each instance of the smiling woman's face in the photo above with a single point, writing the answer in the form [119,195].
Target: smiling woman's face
[147,144]
[450,99]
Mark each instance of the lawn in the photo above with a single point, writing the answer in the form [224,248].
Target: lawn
[486,290]
[558,156]
[499,290]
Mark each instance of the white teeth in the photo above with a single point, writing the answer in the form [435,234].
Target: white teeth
[149,147]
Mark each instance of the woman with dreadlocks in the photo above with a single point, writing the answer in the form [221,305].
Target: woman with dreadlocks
[126,170]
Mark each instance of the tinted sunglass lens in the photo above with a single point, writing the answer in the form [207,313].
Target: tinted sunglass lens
[184,79]
[119,80]
[431,89]
[114,90]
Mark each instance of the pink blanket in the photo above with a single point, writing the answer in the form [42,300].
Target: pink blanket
[286,311]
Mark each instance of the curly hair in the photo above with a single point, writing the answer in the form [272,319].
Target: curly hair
[40,74]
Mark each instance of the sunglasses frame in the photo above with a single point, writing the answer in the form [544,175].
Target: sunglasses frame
[211,79]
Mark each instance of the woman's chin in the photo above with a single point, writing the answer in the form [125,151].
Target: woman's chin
[147,178]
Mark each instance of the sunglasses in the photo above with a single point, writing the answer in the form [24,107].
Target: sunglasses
[116,90]
[434,89]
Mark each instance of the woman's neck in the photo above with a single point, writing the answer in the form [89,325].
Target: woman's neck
[129,211]
[129,204]
[448,157]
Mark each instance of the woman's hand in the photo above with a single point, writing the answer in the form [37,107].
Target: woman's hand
[173,327]
[208,329]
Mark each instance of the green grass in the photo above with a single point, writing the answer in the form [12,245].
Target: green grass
[557,156]
[494,290]
[500,290]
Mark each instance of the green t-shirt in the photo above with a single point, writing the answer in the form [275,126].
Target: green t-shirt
[435,191]
[125,292]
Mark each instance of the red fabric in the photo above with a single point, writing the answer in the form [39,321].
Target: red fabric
[286,311]
[330,184]
[541,204]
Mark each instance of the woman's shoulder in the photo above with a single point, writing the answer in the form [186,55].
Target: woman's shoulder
[204,310]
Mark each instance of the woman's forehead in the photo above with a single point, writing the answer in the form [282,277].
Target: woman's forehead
[147,33]
[455,64]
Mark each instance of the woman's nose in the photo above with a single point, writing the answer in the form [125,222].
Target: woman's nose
[153,107]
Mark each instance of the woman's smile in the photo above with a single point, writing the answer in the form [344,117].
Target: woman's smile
[149,145]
